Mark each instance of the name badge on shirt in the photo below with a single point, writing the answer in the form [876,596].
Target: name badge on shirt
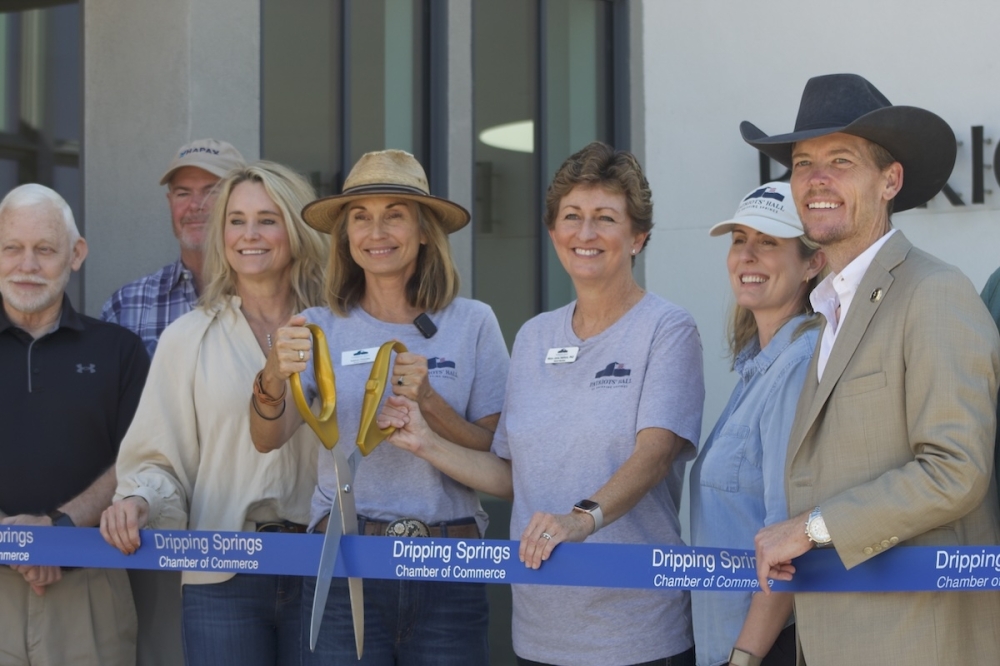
[562,355]
[358,356]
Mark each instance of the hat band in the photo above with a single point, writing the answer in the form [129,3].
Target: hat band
[385,188]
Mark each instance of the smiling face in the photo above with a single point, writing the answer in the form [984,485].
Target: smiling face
[36,258]
[191,194]
[841,194]
[593,235]
[769,276]
[255,236]
[384,236]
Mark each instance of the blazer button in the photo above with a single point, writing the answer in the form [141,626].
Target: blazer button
[894,540]
[867,550]
[878,548]
[886,544]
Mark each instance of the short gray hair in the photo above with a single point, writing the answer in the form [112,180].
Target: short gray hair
[33,194]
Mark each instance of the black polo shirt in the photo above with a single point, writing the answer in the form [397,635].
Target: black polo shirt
[66,400]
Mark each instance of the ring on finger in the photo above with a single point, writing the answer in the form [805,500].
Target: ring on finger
[546,536]
[399,382]
[302,355]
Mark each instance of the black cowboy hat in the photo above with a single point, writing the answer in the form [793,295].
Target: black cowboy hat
[919,140]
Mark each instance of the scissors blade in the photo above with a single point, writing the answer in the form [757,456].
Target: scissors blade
[343,520]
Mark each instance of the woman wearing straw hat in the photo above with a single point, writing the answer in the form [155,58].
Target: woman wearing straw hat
[186,461]
[604,396]
[737,483]
[390,269]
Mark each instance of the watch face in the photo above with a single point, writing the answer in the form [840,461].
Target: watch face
[586,505]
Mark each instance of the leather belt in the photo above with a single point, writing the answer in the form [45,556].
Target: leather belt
[411,527]
[282,526]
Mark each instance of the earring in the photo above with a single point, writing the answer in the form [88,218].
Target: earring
[633,251]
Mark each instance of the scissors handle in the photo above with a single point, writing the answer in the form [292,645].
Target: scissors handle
[325,425]
[369,434]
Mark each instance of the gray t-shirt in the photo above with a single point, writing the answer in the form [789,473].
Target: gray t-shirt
[566,428]
[467,366]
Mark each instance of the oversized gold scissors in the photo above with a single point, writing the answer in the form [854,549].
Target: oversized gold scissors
[343,517]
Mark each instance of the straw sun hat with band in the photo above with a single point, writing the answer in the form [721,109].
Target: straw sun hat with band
[394,173]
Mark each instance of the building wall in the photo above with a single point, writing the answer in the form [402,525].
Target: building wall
[157,75]
[710,65]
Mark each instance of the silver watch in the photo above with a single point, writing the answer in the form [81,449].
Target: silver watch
[816,529]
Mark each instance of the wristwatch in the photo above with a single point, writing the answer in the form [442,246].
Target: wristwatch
[594,509]
[738,657]
[60,519]
[816,529]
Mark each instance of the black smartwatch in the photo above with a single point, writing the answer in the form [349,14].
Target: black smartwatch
[60,519]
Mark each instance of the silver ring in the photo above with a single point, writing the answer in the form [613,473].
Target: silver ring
[302,355]
[399,382]
[546,536]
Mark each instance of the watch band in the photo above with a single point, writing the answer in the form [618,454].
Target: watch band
[738,657]
[816,530]
[60,519]
[594,509]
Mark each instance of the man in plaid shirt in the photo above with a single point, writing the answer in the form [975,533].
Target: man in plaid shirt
[147,305]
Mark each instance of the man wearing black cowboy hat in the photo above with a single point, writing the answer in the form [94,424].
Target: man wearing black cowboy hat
[893,437]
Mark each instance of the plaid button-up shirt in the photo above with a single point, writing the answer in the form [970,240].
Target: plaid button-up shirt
[149,304]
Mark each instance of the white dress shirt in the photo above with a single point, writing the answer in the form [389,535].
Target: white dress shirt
[837,291]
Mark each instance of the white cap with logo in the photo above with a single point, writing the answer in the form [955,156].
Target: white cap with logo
[215,157]
[769,209]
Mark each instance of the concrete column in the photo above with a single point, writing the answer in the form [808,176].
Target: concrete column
[157,75]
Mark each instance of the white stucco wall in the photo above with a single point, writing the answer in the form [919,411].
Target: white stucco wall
[157,75]
[710,64]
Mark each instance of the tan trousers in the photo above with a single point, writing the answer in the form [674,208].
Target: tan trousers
[86,618]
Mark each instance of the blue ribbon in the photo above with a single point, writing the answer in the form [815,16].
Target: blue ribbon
[901,569]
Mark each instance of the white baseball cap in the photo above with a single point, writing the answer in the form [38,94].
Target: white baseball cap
[769,209]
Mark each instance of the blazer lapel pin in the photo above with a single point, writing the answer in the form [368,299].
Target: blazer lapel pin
[876,295]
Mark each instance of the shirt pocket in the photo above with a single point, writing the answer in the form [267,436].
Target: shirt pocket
[721,469]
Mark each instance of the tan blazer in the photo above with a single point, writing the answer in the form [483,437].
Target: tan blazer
[895,445]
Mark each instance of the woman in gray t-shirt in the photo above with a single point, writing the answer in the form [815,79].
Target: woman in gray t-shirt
[604,396]
[391,268]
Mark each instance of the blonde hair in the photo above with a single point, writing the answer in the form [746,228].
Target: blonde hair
[432,287]
[309,248]
[742,328]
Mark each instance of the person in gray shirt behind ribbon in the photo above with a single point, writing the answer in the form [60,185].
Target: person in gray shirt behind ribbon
[603,402]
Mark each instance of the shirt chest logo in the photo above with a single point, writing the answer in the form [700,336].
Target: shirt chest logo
[81,368]
[439,366]
[613,375]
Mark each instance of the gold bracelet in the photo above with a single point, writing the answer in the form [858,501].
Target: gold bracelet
[262,396]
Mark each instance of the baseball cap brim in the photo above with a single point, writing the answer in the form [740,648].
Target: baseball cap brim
[765,225]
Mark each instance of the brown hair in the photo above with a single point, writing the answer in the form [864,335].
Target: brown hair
[743,325]
[617,171]
[309,248]
[432,287]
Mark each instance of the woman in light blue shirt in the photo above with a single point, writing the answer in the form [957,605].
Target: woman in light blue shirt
[737,482]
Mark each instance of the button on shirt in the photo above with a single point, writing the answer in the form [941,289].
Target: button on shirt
[737,482]
[149,304]
[838,291]
[66,400]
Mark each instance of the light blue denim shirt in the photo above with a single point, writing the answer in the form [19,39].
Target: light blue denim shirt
[738,480]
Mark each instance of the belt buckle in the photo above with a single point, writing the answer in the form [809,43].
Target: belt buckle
[407,527]
[272,526]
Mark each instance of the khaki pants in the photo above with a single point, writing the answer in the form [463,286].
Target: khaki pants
[86,618]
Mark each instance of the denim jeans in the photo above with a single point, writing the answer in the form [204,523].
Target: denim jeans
[407,623]
[248,620]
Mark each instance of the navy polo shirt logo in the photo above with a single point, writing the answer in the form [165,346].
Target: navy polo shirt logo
[81,368]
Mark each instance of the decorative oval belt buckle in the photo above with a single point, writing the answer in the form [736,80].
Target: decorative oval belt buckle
[407,527]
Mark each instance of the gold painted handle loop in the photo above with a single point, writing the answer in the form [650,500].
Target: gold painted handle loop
[369,434]
[325,425]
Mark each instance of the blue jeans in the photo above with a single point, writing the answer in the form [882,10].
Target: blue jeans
[249,619]
[407,623]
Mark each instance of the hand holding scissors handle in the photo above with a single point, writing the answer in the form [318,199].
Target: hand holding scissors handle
[325,426]
[369,434]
